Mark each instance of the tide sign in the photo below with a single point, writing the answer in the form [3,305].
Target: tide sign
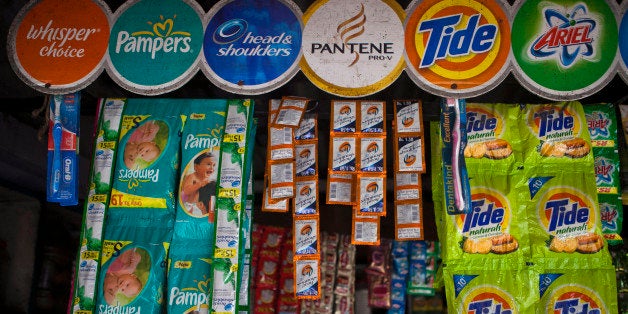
[457,48]
[353,48]
[565,49]
[59,47]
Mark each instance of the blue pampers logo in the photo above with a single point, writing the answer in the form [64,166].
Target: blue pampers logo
[444,41]
[567,37]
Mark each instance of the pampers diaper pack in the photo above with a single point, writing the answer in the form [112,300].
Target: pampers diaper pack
[148,150]
[133,265]
[190,257]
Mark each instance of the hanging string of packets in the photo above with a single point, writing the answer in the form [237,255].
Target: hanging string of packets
[409,165]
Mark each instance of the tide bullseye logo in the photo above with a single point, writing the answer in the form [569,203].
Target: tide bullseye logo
[490,214]
[457,47]
[488,299]
[574,298]
[566,212]
[483,124]
[564,49]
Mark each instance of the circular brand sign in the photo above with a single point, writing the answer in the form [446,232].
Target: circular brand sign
[58,47]
[252,47]
[564,49]
[155,45]
[353,48]
[623,41]
[457,48]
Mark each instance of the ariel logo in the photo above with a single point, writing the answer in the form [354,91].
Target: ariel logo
[568,36]
[307,270]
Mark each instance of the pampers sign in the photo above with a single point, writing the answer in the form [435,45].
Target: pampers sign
[155,45]
[252,47]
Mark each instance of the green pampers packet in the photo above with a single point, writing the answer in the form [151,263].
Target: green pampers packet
[200,156]
[489,289]
[493,139]
[244,271]
[87,263]
[602,124]
[496,227]
[147,162]
[575,289]
[133,265]
[564,217]
[606,161]
[612,214]
[555,135]
[189,277]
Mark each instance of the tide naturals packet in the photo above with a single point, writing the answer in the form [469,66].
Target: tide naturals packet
[372,117]
[290,112]
[564,217]
[147,162]
[493,136]
[555,134]
[575,289]
[340,188]
[485,290]
[408,117]
[344,116]
[495,227]
[372,157]
[371,194]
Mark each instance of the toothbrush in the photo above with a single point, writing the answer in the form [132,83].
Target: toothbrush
[57,132]
[458,193]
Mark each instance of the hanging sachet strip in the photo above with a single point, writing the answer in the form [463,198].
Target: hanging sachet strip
[88,260]
[230,206]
